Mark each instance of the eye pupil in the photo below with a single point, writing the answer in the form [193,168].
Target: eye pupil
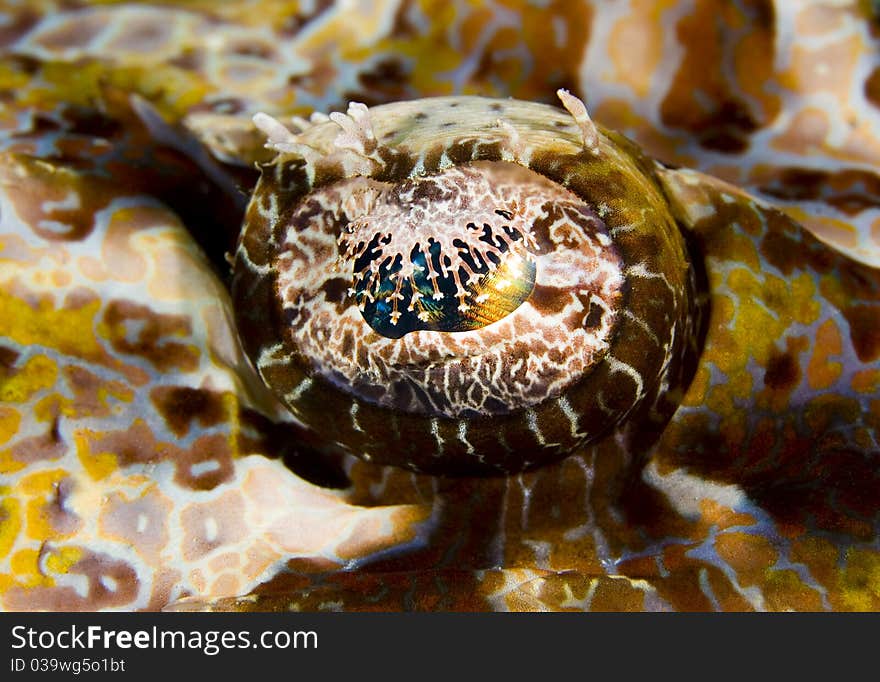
[437,298]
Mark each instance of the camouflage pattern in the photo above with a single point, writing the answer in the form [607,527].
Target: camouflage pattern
[143,465]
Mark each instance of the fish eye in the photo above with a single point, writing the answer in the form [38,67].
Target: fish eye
[452,303]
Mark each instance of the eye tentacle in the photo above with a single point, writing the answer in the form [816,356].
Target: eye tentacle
[578,111]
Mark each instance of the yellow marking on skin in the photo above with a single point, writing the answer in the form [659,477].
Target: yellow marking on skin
[25,565]
[751,556]
[171,89]
[866,381]
[40,487]
[784,590]
[38,373]
[62,559]
[50,406]
[696,393]
[8,464]
[41,482]
[719,399]
[790,299]
[13,79]
[98,465]
[765,310]
[821,372]
[37,523]
[229,401]
[56,404]
[10,521]
[70,330]
[723,516]
[115,389]
[756,328]
[860,580]
[10,420]
[832,289]
[738,247]
[722,348]
[740,385]
[802,305]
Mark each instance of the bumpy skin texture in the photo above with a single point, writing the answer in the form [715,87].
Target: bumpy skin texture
[144,465]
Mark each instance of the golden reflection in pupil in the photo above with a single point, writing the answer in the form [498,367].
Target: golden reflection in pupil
[501,291]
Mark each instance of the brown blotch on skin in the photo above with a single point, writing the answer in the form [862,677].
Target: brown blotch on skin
[406,590]
[788,245]
[90,391]
[210,454]
[15,26]
[703,100]
[140,522]
[782,251]
[111,583]
[464,151]
[212,524]
[193,60]
[864,330]
[872,87]
[60,519]
[88,123]
[37,183]
[798,465]
[8,358]
[783,371]
[212,450]
[385,81]
[151,336]
[850,191]
[296,316]
[73,33]
[180,406]
[46,446]
[134,445]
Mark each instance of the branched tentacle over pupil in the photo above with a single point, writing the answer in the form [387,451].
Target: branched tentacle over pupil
[447,252]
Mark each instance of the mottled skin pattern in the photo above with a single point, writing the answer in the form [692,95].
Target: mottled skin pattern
[142,463]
